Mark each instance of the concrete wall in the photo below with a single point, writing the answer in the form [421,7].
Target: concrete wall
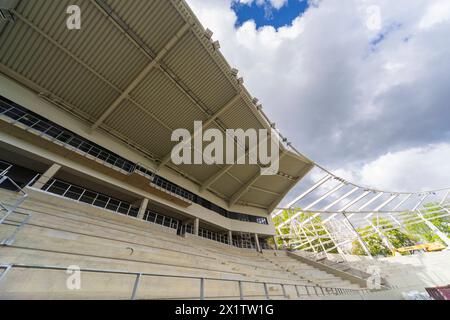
[33,102]
[16,137]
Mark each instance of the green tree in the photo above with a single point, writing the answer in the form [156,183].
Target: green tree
[312,234]
[422,233]
[374,241]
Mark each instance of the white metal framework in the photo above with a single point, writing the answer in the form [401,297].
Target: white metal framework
[332,214]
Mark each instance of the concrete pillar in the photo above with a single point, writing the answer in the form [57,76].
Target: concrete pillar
[49,174]
[230,237]
[258,247]
[196,226]
[142,208]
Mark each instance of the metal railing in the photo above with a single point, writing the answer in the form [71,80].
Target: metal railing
[102,201]
[44,128]
[163,184]
[160,219]
[4,167]
[67,139]
[93,198]
[300,290]
[6,210]
[207,234]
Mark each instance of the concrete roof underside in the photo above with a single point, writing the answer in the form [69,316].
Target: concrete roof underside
[138,70]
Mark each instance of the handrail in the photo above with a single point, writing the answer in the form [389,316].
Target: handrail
[318,290]
[14,206]
[6,167]
[42,127]
[83,195]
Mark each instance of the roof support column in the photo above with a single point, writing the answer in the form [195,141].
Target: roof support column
[258,247]
[49,174]
[230,237]
[142,208]
[196,226]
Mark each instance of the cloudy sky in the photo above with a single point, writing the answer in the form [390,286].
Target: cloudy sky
[361,87]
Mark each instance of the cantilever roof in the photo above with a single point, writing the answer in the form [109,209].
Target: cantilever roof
[138,70]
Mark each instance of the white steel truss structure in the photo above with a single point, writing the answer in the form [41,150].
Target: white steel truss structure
[331,215]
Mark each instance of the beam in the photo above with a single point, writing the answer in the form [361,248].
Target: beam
[205,124]
[366,204]
[401,202]
[352,228]
[351,203]
[435,229]
[304,194]
[67,52]
[339,186]
[340,199]
[124,95]
[227,168]
[420,202]
[444,198]
[382,235]
[285,192]
[237,195]
[326,195]
[46,176]
[381,206]
[265,191]
[308,207]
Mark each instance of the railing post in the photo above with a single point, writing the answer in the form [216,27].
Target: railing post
[284,290]
[241,293]
[202,288]
[136,285]
[296,289]
[266,291]
[7,268]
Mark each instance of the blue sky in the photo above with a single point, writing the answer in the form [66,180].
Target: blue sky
[361,87]
[266,14]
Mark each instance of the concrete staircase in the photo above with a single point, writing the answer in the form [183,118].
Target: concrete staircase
[61,233]
[413,272]
[315,276]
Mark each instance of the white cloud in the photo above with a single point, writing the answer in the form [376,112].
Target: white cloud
[438,12]
[341,97]
[277,4]
[427,167]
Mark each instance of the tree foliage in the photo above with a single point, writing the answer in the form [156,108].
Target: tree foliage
[413,232]
[325,242]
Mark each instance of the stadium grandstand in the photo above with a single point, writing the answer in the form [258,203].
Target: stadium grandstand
[87,182]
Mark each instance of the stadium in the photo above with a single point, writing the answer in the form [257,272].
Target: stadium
[92,205]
